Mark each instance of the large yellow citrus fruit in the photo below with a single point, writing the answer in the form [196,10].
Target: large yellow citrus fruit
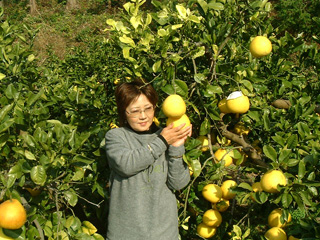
[238,103]
[225,187]
[260,46]
[222,205]
[212,218]
[206,231]
[204,143]
[178,121]
[256,187]
[33,191]
[222,105]
[174,106]
[241,129]
[212,192]
[276,233]
[225,155]
[271,179]
[3,236]
[274,218]
[292,238]
[12,214]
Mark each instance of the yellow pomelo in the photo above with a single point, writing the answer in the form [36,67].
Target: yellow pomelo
[12,214]
[212,192]
[3,236]
[225,155]
[222,105]
[33,191]
[274,218]
[174,106]
[212,218]
[156,121]
[204,143]
[178,121]
[276,233]
[238,103]
[222,205]
[225,187]
[271,179]
[241,129]
[256,187]
[292,238]
[260,46]
[206,231]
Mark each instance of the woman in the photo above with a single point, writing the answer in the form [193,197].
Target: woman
[146,168]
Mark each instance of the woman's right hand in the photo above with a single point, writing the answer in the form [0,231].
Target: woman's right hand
[173,134]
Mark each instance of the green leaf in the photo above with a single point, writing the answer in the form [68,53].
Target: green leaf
[302,169]
[245,186]
[270,152]
[205,127]
[127,40]
[182,11]
[5,110]
[292,141]
[215,5]
[2,76]
[82,159]
[34,97]
[29,155]
[200,52]
[38,175]
[286,200]
[284,155]
[180,87]
[199,77]
[71,197]
[156,66]
[7,124]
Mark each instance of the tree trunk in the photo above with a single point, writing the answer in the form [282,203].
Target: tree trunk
[71,4]
[33,7]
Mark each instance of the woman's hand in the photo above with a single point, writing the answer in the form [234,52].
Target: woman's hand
[176,136]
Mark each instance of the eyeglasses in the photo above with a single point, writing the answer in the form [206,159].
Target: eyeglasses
[136,112]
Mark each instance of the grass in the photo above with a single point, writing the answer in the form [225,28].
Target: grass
[59,30]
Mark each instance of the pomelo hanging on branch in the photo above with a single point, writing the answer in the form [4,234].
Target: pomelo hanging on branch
[237,102]
[12,214]
[260,46]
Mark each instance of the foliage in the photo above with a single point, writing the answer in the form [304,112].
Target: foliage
[199,49]
[298,16]
[52,124]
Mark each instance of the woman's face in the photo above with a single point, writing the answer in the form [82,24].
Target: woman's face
[140,113]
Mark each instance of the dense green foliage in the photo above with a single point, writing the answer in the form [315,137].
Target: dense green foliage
[298,16]
[53,117]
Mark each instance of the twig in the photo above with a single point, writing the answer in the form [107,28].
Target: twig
[94,204]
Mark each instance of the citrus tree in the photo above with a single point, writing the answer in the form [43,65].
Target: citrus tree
[52,124]
[200,50]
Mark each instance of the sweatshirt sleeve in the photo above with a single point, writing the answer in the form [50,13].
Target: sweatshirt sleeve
[178,171]
[126,161]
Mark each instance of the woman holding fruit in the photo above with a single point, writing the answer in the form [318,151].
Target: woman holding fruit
[146,168]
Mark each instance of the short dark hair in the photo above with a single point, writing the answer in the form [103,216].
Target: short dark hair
[126,93]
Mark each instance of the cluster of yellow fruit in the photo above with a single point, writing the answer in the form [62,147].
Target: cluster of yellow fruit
[276,231]
[175,108]
[269,183]
[12,216]
[219,197]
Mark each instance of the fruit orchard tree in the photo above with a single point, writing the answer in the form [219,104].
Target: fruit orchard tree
[200,50]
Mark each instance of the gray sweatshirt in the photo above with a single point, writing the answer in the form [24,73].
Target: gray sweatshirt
[144,174]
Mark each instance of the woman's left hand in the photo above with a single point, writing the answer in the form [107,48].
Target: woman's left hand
[181,141]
